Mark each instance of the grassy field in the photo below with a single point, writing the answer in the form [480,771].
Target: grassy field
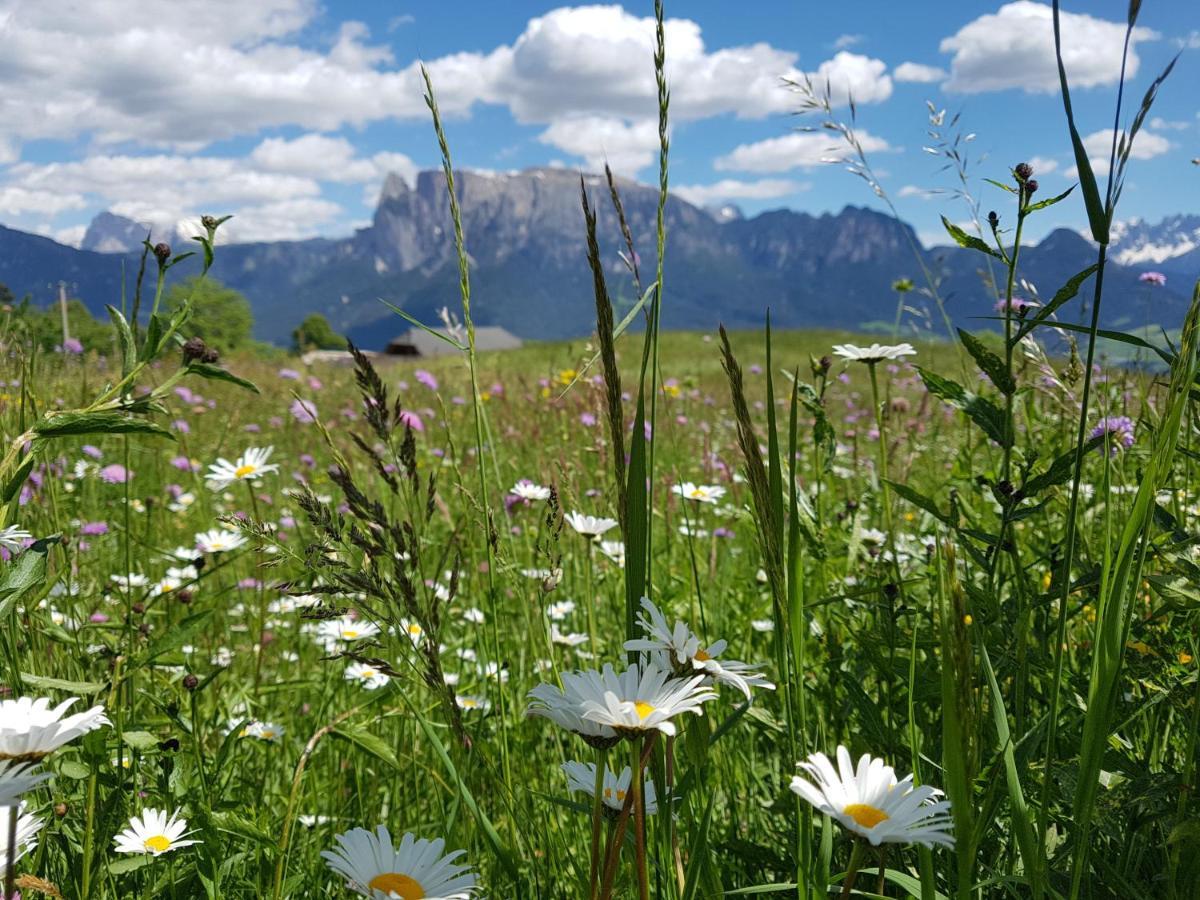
[562,622]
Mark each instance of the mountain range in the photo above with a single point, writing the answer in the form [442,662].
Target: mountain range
[526,244]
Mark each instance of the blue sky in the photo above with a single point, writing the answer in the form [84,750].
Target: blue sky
[288,113]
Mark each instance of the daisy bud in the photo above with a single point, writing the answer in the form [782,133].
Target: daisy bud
[208,222]
[60,809]
[162,252]
[993,219]
[190,682]
[1024,171]
[1031,187]
[211,355]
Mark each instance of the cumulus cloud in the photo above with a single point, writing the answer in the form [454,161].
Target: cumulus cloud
[1014,48]
[729,189]
[845,41]
[626,147]
[916,73]
[1042,165]
[800,150]
[851,75]
[1098,144]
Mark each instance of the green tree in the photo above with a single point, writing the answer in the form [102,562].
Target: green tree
[220,314]
[315,333]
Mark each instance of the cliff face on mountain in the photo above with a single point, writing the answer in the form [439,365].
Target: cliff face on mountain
[525,241]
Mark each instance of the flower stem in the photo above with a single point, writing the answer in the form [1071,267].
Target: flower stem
[639,820]
[857,855]
[597,809]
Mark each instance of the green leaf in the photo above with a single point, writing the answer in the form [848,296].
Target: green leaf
[1049,201]
[26,572]
[207,246]
[140,740]
[180,634]
[981,411]
[1065,293]
[19,477]
[85,688]
[1059,472]
[919,500]
[154,336]
[371,743]
[73,424]
[991,364]
[129,864]
[969,241]
[412,320]
[124,339]
[76,771]
[216,373]
[1001,185]
[1097,218]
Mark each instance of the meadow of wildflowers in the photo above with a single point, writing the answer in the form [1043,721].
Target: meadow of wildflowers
[647,615]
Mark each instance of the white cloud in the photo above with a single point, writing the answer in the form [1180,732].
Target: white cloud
[846,41]
[72,235]
[793,151]
[912,190]
[15,201]
[1158,123]
[1098,144]
[1042,165]
[328,158]
[1014,48]
[626,147]
[732,189]
[916,73]
[851,75]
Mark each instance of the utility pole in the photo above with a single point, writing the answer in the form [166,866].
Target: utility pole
[62,308]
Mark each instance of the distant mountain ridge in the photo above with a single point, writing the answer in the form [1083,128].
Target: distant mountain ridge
[525,239]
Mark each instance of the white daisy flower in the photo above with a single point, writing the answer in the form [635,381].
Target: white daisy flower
[530,492]
[687,655]
[559,611]
[875,353]
[330,631]
[368,676]
[869,801]
[250,466]
[264,731]
[472,702]
[614,550]
[574,639]
[473,615]
[13,538]
[417,868]
[182,503]
[154,833]
[589,526]
[27,828]
[564,707]
[217,540]
[582,777]
[132,580]
[640,699]
[701,493]
[414,631]
[31,730]
[16,778]
[762,625]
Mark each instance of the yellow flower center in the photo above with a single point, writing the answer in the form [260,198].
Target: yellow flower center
[698,492]
[367,673]
[469,703]
[643,709]
[159,843]
[702,656]
[864,815]
[350,634]
[243,471]
[608,794]
[414,629]
[395,883]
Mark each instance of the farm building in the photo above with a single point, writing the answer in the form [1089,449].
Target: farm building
[417,342]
